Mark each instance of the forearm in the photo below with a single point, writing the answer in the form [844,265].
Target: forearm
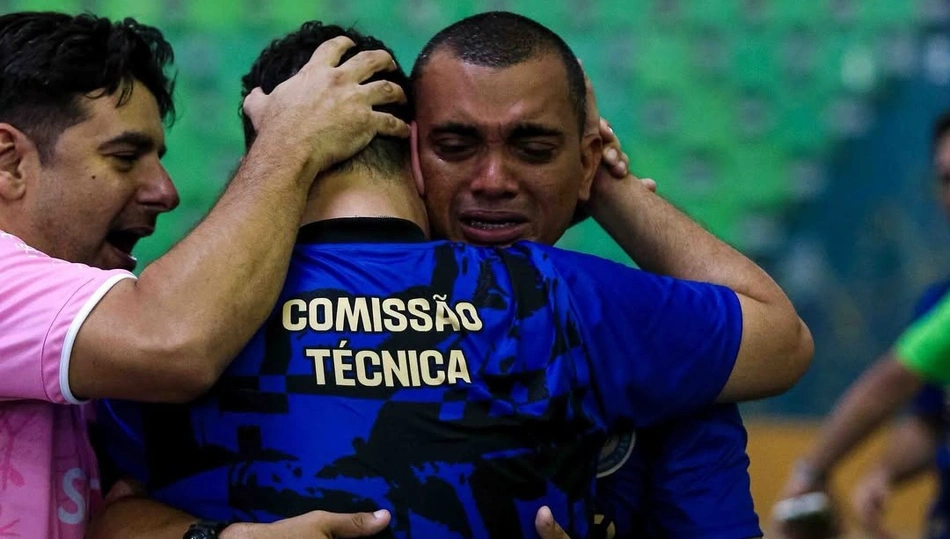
[193,309]
[776,345]
[221,282]
[131,515]
[134,516]
[910,450]
[663,240]
[880,392]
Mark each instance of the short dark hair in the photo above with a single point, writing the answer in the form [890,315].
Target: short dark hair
[941,129]
[501,39]
[285,56]
[49,60]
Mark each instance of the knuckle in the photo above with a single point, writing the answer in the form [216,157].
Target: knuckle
[343,41]
[375,59]
[359,521]
[363,116]
[318,518]
[382,57]
[335,76]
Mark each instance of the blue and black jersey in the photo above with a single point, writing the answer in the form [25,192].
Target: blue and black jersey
[459,387]
[685,479]
[932,405]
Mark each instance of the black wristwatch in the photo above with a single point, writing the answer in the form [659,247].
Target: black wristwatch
[205,529]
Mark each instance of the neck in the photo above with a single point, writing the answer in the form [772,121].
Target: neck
[357,193]
[20,225]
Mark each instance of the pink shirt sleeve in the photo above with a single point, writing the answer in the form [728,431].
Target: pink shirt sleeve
[43,303]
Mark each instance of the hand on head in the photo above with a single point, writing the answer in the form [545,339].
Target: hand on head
[325,110]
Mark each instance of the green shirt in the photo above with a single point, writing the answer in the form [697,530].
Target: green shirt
[924,348]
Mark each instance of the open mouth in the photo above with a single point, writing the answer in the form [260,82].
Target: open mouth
[493,228]
[124,241]
[491,225]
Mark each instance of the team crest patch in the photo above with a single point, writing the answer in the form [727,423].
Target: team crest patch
[615,453]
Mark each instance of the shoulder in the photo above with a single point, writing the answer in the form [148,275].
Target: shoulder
[11,245]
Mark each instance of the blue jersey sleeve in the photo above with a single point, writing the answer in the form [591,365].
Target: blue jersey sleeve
[700,486]
[658,347]
[929,401]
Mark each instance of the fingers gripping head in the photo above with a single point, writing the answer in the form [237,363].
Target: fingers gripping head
[284,57]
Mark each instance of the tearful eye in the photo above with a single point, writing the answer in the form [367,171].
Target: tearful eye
[536,152]
[126,159]
[450,148]
[454,149]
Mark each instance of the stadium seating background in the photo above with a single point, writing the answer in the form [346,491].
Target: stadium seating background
[798,130]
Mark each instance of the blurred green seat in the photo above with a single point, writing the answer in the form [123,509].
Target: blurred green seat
[216,15]
[880,14]
[551,14]
[145,11]
[802,121]
[278,16]
[757,176]
[662,61]
[620,16]
[709,117]
[720,13]
[793,13]
[589,237]
[68,6]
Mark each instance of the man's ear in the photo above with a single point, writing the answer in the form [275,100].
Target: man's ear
[414,158]
[592,150]
[18,160]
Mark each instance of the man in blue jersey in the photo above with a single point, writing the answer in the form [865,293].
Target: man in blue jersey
[458,387]
[486,184]
[919,441]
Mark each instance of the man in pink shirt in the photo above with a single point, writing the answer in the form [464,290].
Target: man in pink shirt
[82,104]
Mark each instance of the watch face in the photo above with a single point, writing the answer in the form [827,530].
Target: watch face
[198,533]
[205,529]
